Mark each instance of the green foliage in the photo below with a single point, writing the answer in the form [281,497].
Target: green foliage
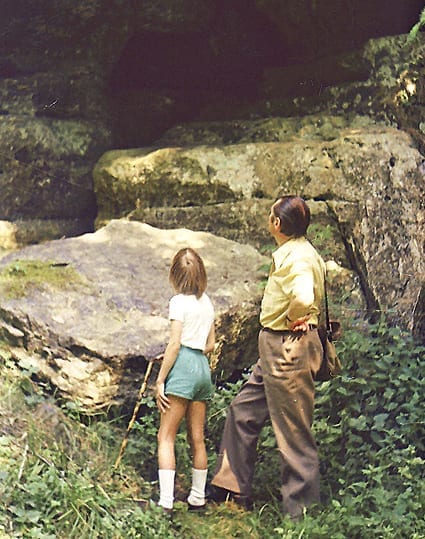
[18,277]
[369,427]
[322,237]
[142,445]
[417,27]
[371,432]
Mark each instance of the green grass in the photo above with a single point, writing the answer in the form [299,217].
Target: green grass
[19,277]
[57,478]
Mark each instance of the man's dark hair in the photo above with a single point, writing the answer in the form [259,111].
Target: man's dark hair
[294,215]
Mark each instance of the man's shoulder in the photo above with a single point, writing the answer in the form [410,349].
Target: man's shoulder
[296,250]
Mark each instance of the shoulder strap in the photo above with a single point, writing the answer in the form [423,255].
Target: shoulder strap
[328,325]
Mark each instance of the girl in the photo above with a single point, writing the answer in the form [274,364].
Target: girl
[184,381]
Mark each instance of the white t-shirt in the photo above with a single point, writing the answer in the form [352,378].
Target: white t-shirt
[197,316]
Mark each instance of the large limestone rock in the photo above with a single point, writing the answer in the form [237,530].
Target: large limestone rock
[46,169]
[374,170]
[77,66]
[89,312]
[325,127]
[340,168]
[54,61]
[337,26]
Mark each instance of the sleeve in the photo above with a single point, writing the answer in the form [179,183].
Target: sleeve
[302,281]
[176,309]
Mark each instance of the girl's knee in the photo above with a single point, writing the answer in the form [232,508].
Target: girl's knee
[197,445]
[165,436]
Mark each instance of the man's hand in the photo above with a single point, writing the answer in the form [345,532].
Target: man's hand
[162,401]
[300,324]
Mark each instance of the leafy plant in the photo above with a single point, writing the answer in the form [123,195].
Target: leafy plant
[417,27]
[370,432]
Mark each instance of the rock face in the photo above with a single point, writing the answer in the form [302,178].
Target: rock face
[92,331]
[46,168]
[372,176]
[78,78]
[288,97]
[53,63]
[319,169]
[309,26]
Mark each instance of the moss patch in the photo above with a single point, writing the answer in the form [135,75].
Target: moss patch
[19,277]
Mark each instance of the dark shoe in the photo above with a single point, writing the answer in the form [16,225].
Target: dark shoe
[217,494]
[196,508]
[243,501]
[221,495]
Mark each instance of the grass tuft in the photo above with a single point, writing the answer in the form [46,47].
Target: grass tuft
[57,479]
[21,276]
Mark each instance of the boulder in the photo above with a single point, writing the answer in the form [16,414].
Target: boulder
[88,313]
[46,168]
[342,168]
[325,127]
[375,171]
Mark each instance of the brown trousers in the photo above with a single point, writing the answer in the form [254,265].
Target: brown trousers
[281,387]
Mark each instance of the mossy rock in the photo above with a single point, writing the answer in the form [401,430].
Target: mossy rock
[20,276]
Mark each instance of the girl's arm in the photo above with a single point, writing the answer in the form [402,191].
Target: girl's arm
[209,346]
[170,356]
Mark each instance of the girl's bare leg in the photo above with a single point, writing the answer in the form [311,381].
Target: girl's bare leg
[169,426]
[170,422]
[195,420]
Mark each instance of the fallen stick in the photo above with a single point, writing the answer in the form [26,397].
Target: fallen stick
[136,409]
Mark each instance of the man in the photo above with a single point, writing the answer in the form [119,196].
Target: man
[281,385]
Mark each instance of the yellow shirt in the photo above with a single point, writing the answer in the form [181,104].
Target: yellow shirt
[297,271]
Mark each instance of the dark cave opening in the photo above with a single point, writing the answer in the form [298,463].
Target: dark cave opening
[166,78]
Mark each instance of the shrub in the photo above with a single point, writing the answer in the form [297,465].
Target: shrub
[369,427]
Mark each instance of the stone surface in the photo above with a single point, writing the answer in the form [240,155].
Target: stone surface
[388,88]
[375,169]
[20,232]
[275,129]
[92,336]
[338,25]
[393,92]
[45,167]
[128,179]
[80,62]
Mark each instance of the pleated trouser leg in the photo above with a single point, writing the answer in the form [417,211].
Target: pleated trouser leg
[238,450]
[281,386]
[289,363]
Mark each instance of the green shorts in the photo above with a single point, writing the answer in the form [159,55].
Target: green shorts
[190,376]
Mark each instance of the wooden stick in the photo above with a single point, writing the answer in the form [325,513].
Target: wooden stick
[136,409]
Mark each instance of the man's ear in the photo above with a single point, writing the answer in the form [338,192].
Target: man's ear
[276,224]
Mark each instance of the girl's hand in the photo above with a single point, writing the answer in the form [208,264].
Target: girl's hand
[162,401]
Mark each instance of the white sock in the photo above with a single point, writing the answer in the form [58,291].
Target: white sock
[166,488]
[197,492]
